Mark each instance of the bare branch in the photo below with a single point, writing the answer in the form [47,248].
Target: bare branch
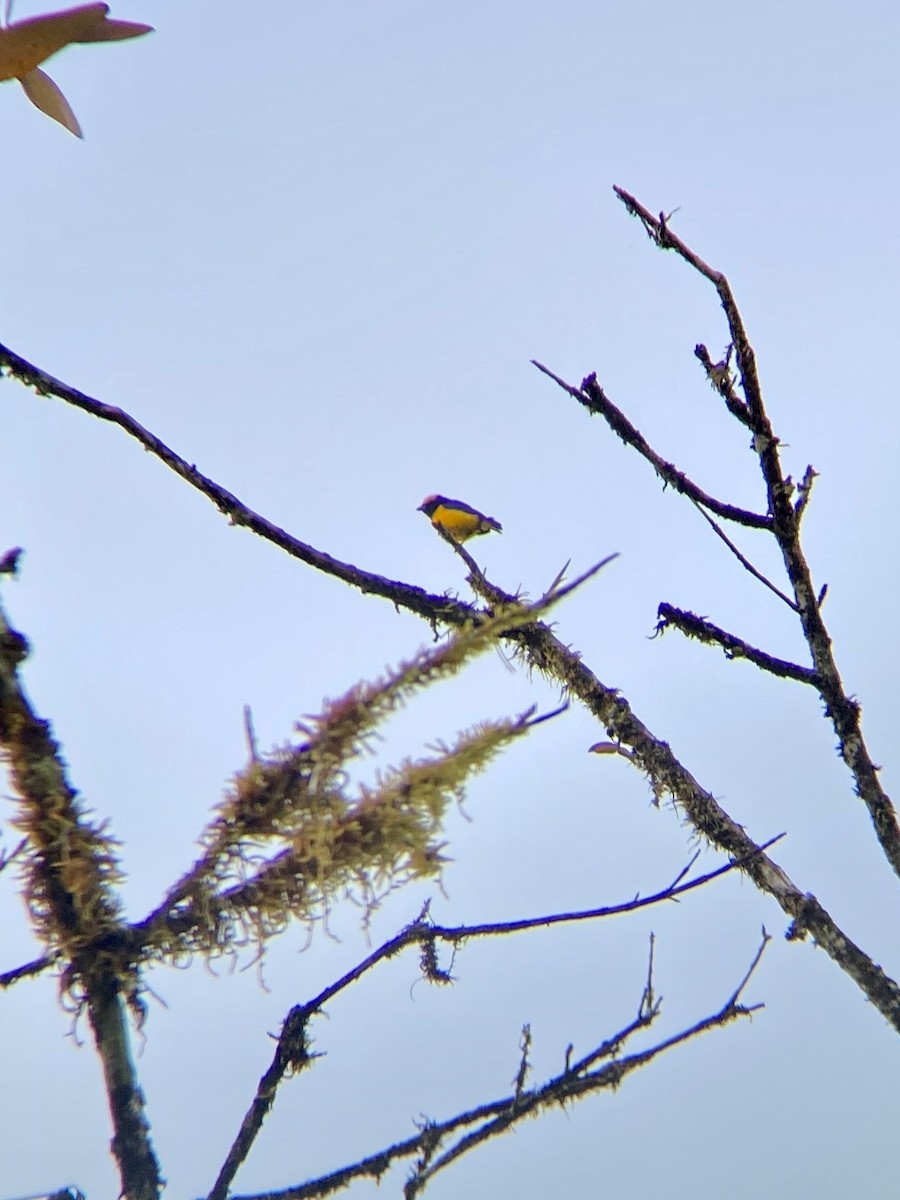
[496,1117]
[734,647]
[36,967]
[784,521]
[292,1053]
[414,599]
[662,235]
[595,400]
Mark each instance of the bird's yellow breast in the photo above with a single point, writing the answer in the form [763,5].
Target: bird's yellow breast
[457,523]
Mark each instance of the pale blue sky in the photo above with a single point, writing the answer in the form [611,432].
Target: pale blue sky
[314,249]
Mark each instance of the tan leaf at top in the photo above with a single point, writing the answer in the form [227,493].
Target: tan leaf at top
[24,45]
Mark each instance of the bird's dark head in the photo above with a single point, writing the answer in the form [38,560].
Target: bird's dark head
[429,504]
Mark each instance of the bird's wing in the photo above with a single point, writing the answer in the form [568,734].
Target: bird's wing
[461,504]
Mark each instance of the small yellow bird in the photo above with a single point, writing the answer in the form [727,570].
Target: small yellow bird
[457,520]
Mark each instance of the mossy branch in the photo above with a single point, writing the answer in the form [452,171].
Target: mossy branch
[291,834]
[68,864]
[69,869]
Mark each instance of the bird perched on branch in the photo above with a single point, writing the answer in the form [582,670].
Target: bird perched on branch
[458,521]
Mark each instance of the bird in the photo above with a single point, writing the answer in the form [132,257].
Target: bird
[26,44]
[457,520]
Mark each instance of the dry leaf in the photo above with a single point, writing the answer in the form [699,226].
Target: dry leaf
[24,45]
[610,748]
[45,95]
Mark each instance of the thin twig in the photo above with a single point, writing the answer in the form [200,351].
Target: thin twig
[686,868]
[745,562]
[250,735]
[556,592]
[750,970]
[649,1004]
